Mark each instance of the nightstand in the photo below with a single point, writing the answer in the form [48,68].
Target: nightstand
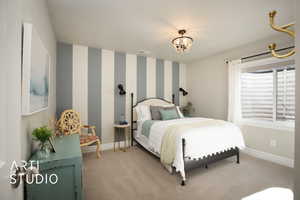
[122,129]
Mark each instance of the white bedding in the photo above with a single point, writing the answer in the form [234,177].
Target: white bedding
[200,142]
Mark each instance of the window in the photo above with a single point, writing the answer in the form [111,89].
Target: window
[268,93]
[286,94]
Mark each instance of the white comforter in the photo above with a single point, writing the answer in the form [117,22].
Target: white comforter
[200,142]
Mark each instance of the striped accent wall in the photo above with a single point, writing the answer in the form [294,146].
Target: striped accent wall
[182,84]
[160,71]
[94,88]
[64,78]
[131,82]
[151,77]
[168,89]
[87,80]
[80,81]
[141,77]
[120,78]
[175,82]
[108,96]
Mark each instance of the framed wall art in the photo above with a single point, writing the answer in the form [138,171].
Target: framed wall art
[35,72]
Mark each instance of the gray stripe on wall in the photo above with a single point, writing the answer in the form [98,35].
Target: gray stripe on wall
[141,77]
[120,78]
[64,77]
[94,88]
[175,81]
[160,74]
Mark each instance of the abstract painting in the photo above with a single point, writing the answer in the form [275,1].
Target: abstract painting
[35,72]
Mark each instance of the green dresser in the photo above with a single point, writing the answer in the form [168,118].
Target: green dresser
[66,163]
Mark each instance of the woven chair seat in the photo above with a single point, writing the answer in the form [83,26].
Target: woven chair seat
[88,138]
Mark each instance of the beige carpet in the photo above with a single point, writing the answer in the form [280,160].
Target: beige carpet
[136,175]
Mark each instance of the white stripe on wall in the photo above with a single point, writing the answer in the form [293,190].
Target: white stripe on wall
[182,84]
[151,77]
[131,80]
[80,81]
[168,80]
[107,93]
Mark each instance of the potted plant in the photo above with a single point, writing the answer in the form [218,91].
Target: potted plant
[42,135]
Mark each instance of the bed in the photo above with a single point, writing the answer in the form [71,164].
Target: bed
[183,143]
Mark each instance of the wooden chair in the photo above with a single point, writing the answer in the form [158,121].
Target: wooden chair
[69,123]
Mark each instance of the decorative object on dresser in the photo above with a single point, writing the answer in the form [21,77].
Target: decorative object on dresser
[43,135]
[66,164]
[35,72]
[69,123]
[125,130]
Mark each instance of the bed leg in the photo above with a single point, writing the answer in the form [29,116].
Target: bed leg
[237,156]
[183,183]
[131,121]
[183,154]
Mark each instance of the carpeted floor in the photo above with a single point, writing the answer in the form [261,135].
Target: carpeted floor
[136,175]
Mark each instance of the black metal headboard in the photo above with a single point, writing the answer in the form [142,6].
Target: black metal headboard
[133,122]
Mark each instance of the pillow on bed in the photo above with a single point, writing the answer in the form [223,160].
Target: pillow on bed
[155,114]
[143,113]
[168,114]
[155,111]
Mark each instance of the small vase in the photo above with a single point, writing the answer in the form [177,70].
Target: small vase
[43,153]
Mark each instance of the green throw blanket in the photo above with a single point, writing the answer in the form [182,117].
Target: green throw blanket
[147,126]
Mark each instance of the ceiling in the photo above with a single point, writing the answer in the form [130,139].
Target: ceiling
[150,25]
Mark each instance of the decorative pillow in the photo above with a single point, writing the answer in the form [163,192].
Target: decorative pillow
[155,114]
[168,114]
[155,111]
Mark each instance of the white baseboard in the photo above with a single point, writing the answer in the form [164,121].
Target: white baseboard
[104,147]
[270,157]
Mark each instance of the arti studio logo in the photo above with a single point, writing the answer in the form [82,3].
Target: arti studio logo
[29,172]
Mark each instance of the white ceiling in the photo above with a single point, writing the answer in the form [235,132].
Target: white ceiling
[133,25]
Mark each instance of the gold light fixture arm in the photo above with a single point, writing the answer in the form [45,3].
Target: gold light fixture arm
[283,29]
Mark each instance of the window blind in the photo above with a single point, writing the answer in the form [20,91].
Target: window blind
[257,95]
[268,94]
[286,94]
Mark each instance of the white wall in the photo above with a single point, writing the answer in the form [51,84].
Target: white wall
[15,140]
[10,87]
[297,131]
[207,87]
[36,12]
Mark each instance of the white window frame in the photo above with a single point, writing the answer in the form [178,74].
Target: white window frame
[275,124]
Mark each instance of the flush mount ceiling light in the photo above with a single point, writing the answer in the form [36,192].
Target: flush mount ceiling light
[182,43]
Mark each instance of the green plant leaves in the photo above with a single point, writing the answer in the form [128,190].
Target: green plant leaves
[42,134]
